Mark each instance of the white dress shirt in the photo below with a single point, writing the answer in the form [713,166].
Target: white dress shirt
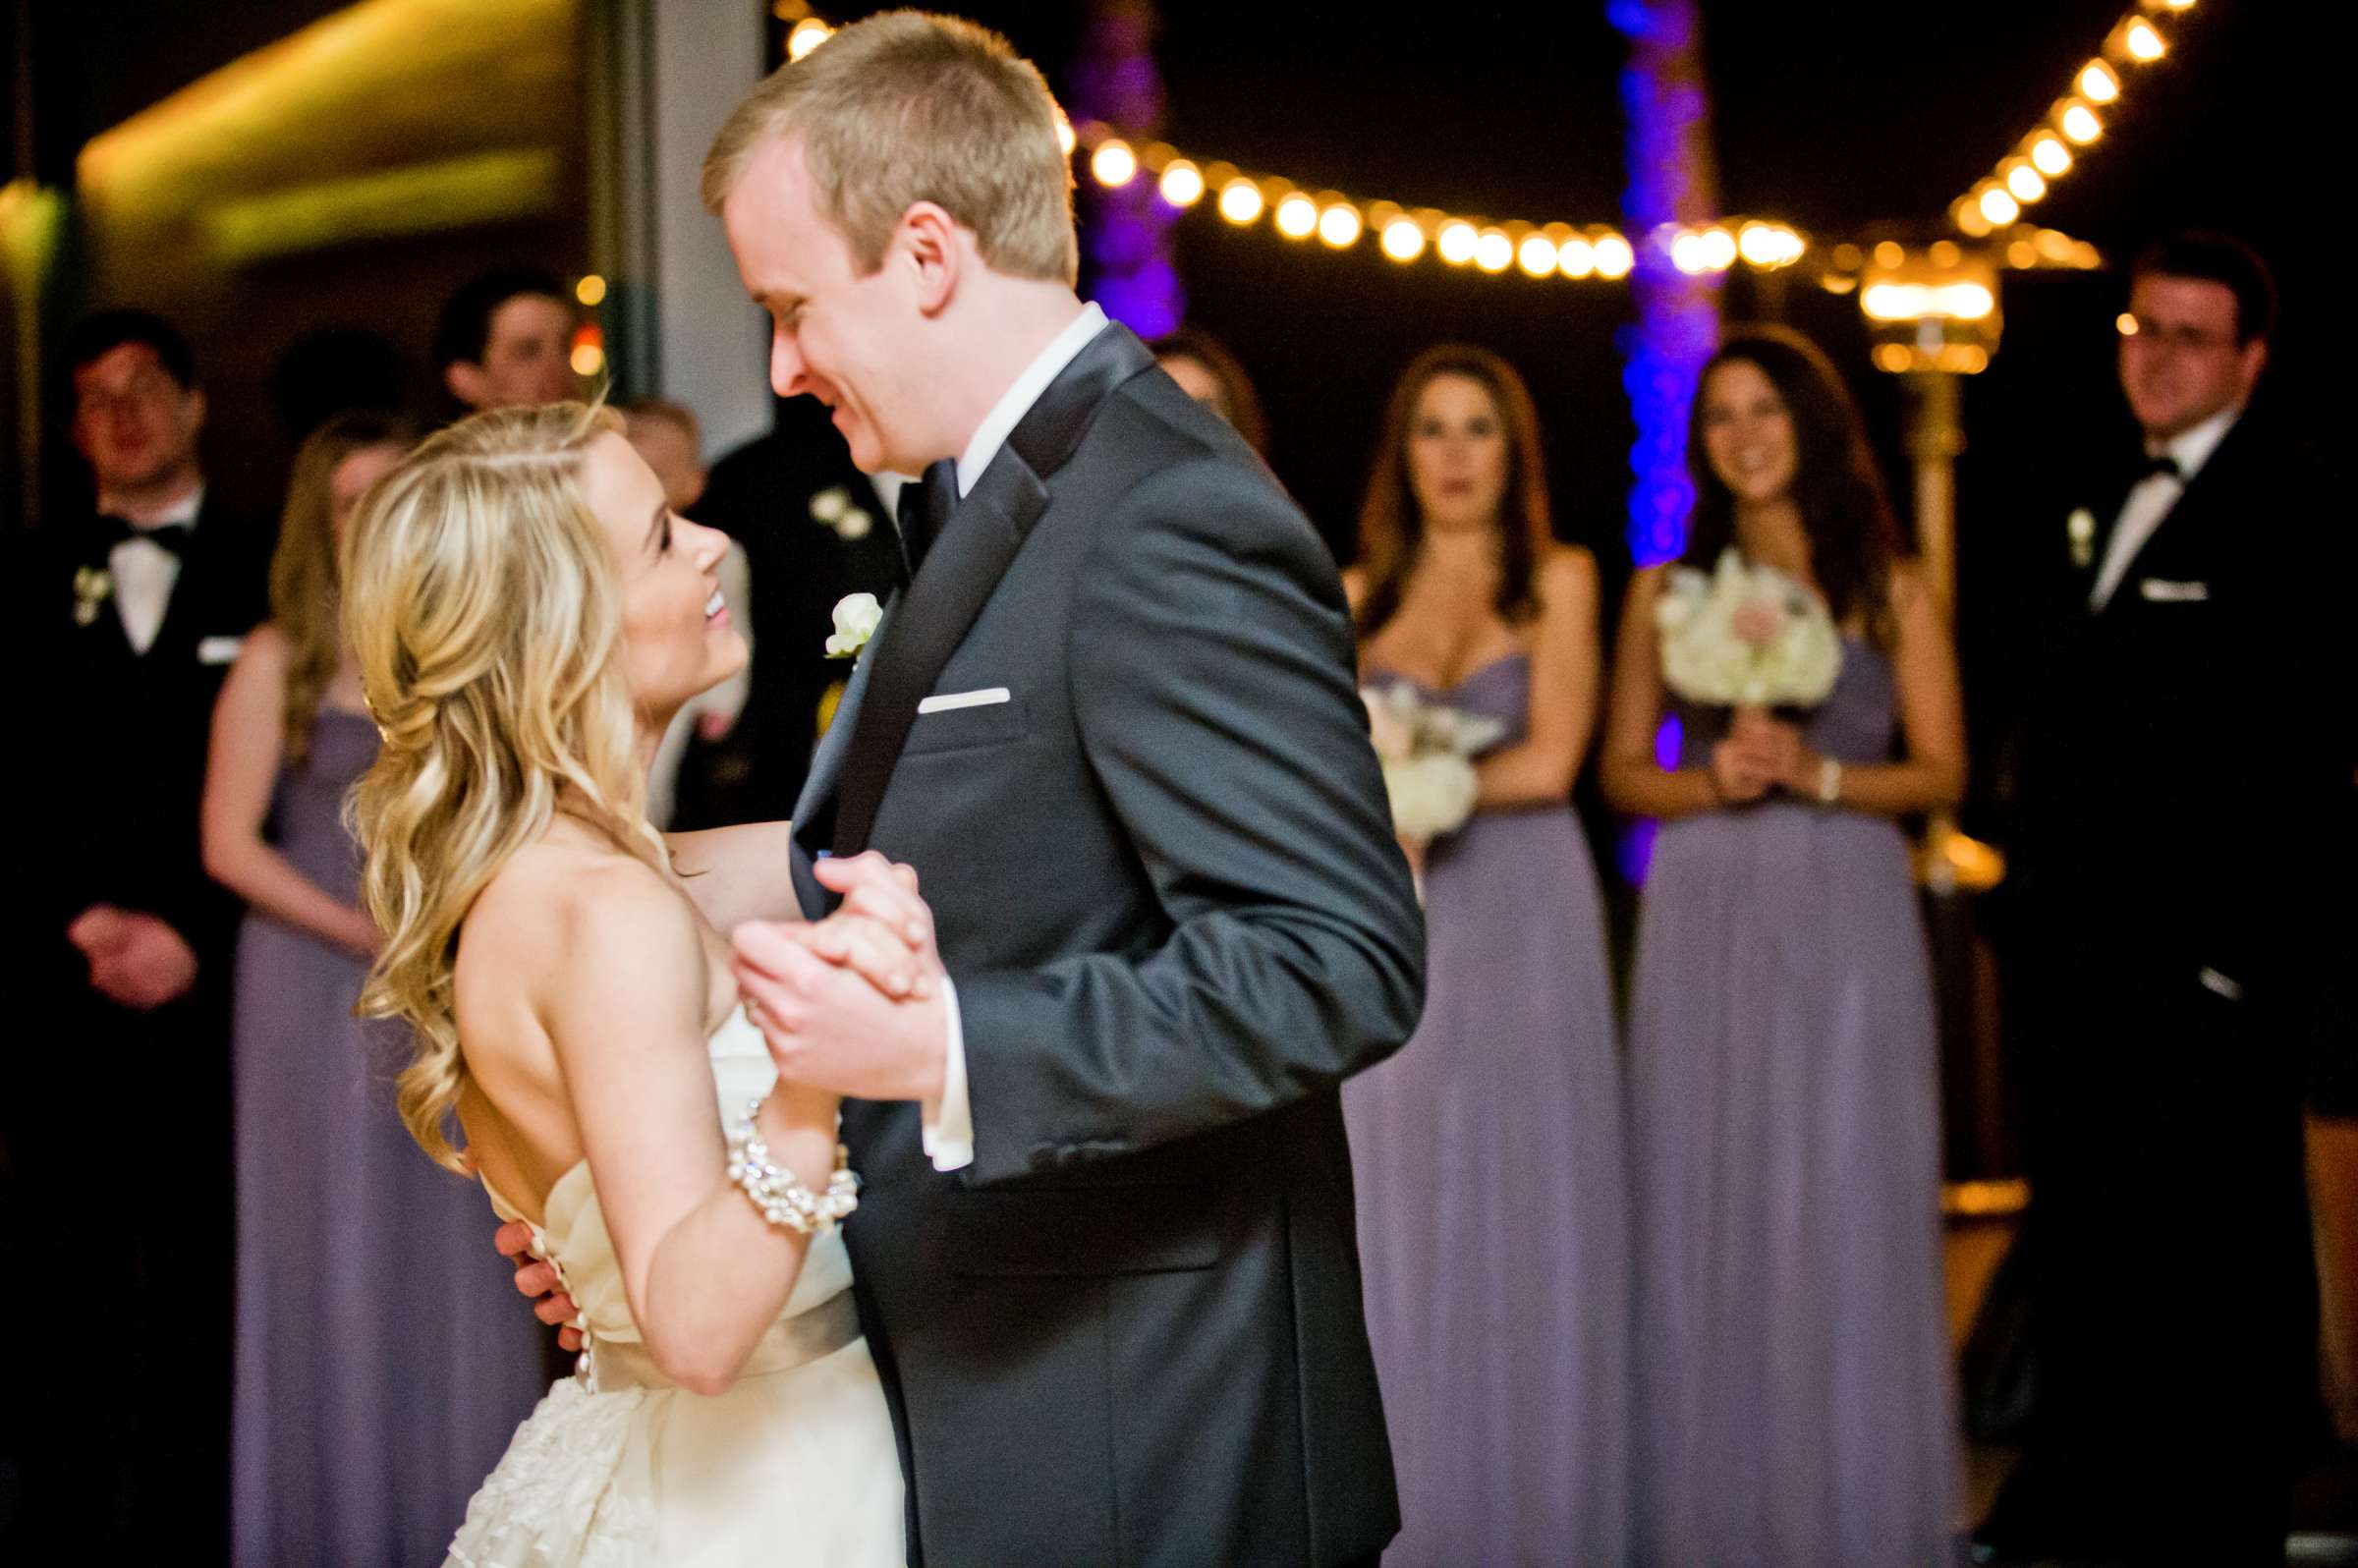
[2152,498]
[145,572]
[950,1125]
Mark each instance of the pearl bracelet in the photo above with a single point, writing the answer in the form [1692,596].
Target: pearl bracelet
[781,1199]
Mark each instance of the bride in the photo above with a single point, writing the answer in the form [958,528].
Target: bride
[528,615]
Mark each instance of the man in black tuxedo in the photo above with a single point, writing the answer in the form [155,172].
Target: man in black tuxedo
[813,529]
[135,613]
[1105,1248]
[2187,737]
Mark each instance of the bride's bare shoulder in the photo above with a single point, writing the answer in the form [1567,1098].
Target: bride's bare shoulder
[562,902]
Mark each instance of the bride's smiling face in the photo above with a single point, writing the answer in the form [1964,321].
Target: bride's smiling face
[677,635]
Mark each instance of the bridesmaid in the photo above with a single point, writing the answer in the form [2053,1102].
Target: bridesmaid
[1793,1391]
[1489,1152]
[382,1360]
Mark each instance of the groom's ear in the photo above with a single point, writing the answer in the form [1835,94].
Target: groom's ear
[939,251]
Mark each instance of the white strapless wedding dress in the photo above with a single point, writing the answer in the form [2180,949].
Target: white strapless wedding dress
[618,1467]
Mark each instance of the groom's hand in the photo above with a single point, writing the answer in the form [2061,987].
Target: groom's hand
[538,1280]
[827,1027]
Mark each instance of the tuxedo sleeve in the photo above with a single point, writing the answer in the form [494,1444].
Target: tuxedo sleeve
[1212,681]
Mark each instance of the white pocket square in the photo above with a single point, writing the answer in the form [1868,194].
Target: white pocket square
[2161,591]
[950,702]
[219,650]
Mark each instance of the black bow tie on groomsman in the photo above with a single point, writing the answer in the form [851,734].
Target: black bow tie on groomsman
[2164,464]
[924,510]
[114,530]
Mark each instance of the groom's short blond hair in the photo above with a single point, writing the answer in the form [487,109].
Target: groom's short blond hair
[908,107]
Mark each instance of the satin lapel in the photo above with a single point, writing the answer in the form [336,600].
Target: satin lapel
[827,762]
[960,572]
[965,565]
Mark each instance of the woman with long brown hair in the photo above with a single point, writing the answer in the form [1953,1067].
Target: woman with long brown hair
[380,1360]
[1792,1393]
[1489,1152]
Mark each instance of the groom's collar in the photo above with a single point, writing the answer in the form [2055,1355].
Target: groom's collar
[1023,392]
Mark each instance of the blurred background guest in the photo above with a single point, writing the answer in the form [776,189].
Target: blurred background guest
[506,337]
[1487,1153]
[383,1363]
[2183,763]
[666,434]
[1793,1398]
[135,611]
[1209,372]
[813,529]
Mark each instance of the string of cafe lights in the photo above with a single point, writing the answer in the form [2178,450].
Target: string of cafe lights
[2075,121]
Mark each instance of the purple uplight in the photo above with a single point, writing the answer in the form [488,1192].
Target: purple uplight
[1125,238]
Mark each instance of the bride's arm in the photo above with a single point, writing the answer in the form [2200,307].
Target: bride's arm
[704,1272]
[737,875]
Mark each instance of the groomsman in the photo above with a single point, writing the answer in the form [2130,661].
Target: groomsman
[2185,742]
[505,340]
[133,614]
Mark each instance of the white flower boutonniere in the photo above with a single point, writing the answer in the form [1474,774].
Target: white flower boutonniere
[2080,529]
[832,508]
[94,586]
[855,618]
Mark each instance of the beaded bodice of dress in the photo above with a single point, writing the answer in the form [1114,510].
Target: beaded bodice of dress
[572,1233]
[1857,725]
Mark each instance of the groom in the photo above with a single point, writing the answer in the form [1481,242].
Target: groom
[1106,1249]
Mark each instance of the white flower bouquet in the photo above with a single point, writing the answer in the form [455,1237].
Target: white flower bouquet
[1426,749]
[1746,636]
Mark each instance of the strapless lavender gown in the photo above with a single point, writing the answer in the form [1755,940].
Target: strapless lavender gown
[383,1357]
[1493,1199]
[1793,1391]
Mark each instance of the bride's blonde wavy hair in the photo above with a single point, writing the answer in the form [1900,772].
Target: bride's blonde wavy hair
[483,601]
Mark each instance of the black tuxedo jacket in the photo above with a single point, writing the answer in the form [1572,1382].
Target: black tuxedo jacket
[1167,890]
[2187,745]
[760,495]
[125,734]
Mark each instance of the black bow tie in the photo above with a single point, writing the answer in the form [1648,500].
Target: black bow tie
[924,509]
[2165,464]
[114,530]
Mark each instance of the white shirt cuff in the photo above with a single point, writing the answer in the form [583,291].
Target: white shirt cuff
[949,1123]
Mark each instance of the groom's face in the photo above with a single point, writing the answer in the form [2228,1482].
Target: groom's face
[843,337]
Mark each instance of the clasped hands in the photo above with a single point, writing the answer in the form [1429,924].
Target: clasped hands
[1760,755]
[850,1005]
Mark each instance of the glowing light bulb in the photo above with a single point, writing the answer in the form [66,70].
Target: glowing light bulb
[1064,133]
[1719,250]
[1457,241]
[2125,324]
[1240,200]
[1494,252]
[1944,253]
[1968,216]
[588,359]
[1182,184]
[2025,183]
[1113,163]
[1536,255]
[2022,255]
[1576,257]
[1403,241]
[1999,208]
[1758,244]
[2081,124]
[590,290]
[2098,83]
[1296,216]
[1614,257]
[2144,44]
[807,34]
[1339,225]
[2051,157]
[1686,254]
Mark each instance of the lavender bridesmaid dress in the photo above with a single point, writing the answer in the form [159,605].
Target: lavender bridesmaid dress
[1793,1393]
[383,1357]
[1492,1209]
